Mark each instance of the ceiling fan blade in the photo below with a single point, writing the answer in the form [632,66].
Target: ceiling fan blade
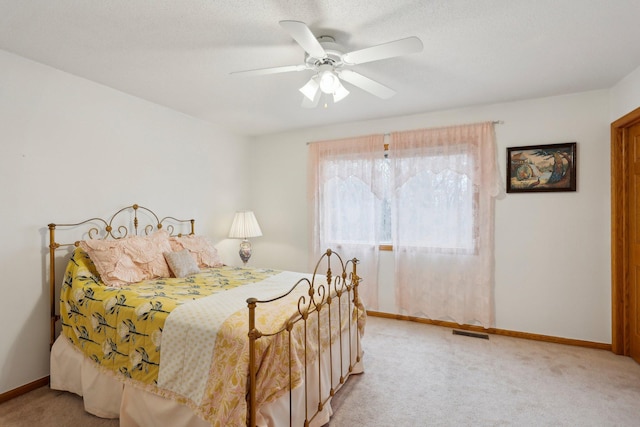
[305,38]
[272,70]
[384,51]
[366,84]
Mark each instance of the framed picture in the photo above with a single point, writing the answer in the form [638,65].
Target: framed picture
[539,168]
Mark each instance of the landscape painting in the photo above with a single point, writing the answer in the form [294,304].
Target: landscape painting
[539,168]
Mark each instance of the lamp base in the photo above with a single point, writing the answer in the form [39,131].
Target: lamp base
[245,251]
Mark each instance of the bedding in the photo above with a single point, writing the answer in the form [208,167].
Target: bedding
[202,250]
[185,338]
[181,263]
[131,259]
[121,328]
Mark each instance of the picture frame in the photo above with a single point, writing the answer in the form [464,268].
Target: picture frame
[541,168]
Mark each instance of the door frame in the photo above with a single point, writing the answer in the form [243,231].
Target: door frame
[620,322]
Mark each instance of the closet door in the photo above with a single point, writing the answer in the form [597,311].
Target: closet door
[634,246]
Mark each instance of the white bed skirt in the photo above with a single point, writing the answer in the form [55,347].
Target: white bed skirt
[106,397]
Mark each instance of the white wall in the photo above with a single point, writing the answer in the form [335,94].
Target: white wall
[552,250]
[625,95]
[73,149]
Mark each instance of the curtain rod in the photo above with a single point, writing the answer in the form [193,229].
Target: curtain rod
[495,122]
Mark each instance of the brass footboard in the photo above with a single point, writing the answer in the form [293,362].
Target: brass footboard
[339,292]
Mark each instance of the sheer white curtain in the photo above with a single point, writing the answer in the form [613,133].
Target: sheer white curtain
[346,194]
[444,182]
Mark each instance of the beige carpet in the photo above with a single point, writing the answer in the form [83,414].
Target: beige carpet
[421,375]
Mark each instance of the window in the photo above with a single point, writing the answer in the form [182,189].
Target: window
[431,198]
[342,222]
[436,206]
[436,209]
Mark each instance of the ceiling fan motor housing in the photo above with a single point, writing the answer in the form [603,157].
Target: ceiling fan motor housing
[334,54]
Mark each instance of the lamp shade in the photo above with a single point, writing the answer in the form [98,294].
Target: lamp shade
[244,226]
[311,88]
[340,93]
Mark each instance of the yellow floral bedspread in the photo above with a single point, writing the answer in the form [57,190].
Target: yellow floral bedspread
[121,330]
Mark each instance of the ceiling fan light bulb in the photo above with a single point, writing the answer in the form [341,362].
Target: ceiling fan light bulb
[328,81]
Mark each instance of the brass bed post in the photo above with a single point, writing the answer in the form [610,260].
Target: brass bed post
[253,335]
[355,279]
[52,281]
[356,282]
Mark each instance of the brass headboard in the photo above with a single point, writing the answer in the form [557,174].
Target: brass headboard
[125,222]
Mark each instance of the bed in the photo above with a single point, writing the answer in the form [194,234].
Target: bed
[152,328]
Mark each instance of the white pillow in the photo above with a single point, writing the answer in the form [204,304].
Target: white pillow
[181,263]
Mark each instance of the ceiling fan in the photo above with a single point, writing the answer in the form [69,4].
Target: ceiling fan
[330,64]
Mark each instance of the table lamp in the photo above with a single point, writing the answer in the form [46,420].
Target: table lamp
[244,226]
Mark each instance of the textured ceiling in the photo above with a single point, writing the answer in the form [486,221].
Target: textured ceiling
[180,53]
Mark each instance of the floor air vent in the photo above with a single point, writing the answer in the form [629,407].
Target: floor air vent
[470,334]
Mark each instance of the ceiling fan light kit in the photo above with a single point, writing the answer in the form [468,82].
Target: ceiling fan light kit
[325,81]
[328,62]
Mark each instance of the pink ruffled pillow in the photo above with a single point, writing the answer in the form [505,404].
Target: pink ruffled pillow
[202,250]
[132,259]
